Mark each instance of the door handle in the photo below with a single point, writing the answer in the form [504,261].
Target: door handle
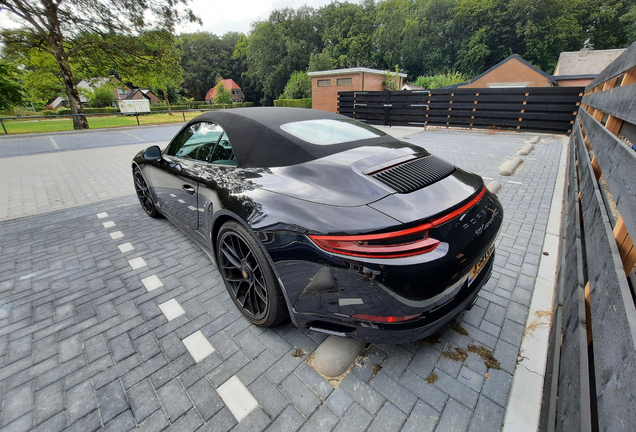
[188,189]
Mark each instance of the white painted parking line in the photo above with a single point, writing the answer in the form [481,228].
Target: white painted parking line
[510,181]
[192,208]
[109,224]
[131,135]
[151,282]
[116,235]
[237,398]
[181,201]
[173,195]
[198,346]
[171,309]
[350,301]
[136,263]
[55,146]
[126,247]
[102,215]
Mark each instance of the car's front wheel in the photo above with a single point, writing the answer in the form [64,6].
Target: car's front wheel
[143,193]
[248,276]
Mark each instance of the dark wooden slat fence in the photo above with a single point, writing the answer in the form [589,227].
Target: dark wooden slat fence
[545,109]
[591,372]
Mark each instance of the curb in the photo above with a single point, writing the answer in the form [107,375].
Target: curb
[524,403]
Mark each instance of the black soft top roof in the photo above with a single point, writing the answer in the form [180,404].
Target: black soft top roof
[259,142]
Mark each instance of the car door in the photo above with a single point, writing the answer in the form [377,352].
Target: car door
[220,180]
[177,177]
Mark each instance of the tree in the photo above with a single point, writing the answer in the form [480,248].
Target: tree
[321,62]
[11,91]
[102,96]
[298,86]
[59,28]
[277,47]
[205,55]
[347,33]
[40,74]
[223,95]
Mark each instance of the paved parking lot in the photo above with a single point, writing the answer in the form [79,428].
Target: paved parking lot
[110,319]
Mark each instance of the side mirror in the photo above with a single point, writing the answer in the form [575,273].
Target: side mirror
[152,153]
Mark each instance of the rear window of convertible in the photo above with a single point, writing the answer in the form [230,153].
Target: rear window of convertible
[327,131]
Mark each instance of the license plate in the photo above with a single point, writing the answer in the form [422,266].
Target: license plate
[474,272]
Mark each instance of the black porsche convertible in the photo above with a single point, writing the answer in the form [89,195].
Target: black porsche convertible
[325,219]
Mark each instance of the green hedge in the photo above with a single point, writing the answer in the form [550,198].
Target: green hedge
[106,110]
[165,107]
[299,103]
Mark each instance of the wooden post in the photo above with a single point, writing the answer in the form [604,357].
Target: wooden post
[625,246]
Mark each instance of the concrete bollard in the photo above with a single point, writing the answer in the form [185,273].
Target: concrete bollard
[494,186]
[334,356]
[510,167]
[525,150]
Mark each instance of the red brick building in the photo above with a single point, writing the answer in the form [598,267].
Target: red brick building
[325,85]
[235,91]
[511,72]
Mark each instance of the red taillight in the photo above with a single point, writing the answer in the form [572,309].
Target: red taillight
[385,319]
[397,244]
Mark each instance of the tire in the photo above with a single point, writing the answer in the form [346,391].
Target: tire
[248,276]
[143,194]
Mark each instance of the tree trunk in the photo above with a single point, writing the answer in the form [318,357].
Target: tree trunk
[165,96]
[57,44]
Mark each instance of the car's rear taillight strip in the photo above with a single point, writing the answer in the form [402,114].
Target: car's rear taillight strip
[358,245]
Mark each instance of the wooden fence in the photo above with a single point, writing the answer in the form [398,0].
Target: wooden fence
[591,371]
[544,109]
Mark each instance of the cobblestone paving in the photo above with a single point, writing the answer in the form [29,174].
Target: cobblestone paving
[92,337]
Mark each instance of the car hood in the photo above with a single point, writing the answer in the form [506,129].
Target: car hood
[344,180]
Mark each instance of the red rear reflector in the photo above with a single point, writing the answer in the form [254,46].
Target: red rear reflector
[385,319]
[387,245]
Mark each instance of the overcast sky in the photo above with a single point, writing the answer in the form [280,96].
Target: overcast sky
[222,16]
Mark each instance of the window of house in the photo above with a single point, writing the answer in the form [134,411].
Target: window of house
[324,83]
[345,81]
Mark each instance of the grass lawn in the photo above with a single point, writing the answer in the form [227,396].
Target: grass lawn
[16,127]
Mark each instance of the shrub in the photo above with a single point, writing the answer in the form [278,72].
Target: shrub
[105,110]
[165,107]
[299,103]
[243,105]
[442,80]
[298,86]
[48,112]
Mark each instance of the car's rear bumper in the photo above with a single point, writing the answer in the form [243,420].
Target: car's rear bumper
[397,333]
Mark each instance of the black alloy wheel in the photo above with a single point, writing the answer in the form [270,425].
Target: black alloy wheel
[143,193]
[248,276]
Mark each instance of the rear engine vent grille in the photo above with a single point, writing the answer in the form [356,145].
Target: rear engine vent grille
[416,174]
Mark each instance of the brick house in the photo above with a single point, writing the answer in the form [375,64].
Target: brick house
[138,94]
[509,73]
[325,85]
[579,68]
[235,91]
